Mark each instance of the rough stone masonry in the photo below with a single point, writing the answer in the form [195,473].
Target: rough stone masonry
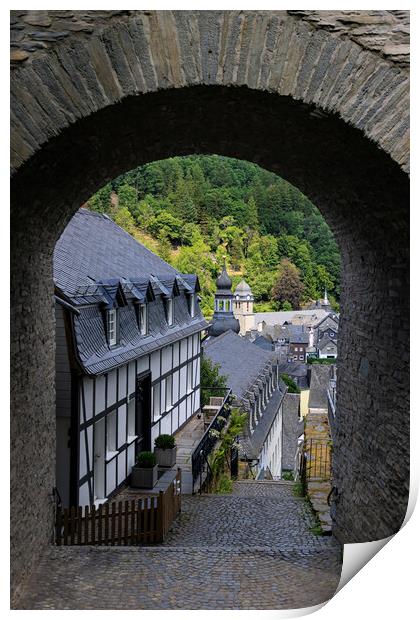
[320,98]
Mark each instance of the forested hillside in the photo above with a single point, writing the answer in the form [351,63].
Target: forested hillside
[195,210]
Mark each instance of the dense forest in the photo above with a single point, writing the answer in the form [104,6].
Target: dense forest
[195,210]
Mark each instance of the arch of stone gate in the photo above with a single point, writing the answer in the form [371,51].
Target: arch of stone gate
[320,98]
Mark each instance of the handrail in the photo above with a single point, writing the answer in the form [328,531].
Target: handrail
[209,439]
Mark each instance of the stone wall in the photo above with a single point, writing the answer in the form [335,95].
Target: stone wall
[320,99]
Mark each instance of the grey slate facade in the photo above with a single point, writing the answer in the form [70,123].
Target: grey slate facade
[291,430]
[128,354]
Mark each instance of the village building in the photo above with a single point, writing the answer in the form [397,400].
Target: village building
[223,317]
[257,389]
[298,343]
[128,332]
[243,306]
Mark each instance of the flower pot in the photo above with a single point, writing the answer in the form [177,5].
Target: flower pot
[166,458]
[144,477]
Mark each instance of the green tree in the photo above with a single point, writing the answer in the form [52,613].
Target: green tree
[288,286]
[166,224]
[124,219]
[252,214]
[189,232]
[164,247]
[210,378]
[101,201]
[324,280]
[292,388]
[197,259]
[127,198]
[233,238]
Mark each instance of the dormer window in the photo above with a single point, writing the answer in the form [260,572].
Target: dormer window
[169,306]
[111,324]
[191,305]
[143,319]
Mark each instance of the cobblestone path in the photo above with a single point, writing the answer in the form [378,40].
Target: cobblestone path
[252,549]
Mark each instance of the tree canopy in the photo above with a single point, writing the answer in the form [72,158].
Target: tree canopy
[194,210]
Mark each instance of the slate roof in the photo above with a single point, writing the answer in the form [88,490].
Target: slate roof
[294,369]
[253,443]
[243,363]
[330,318]
[98,266]
[278,318]
[320,378]
[240,360]
[264,343]
[298,337]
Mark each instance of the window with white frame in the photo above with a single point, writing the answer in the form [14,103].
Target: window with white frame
[191,304]
[170,311]
[168,393]
[111,326]
[111,433]
[156,401]
[131,420]
[143,319]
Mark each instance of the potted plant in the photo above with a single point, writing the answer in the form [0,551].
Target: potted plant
[145,473]
[165,450]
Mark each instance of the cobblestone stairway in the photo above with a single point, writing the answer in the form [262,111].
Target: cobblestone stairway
[252,549]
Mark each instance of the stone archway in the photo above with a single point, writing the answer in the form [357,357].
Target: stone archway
[320,98]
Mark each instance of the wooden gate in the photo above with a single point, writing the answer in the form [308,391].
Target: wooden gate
[132,522]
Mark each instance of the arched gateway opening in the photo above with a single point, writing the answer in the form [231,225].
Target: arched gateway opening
[271,88]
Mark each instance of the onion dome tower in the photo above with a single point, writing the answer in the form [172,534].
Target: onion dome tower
[223,318]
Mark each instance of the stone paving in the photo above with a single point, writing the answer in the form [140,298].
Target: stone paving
[252,549]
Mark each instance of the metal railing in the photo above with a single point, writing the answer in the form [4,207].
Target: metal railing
[316,462]
[199,458]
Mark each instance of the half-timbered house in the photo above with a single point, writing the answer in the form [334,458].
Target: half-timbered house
[127,354]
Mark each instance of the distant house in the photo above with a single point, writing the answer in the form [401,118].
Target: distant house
[326,337]
[128,331]
[298,343]
[252,375]
[327,326]
[327,348]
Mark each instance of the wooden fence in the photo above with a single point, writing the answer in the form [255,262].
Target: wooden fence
[132,522]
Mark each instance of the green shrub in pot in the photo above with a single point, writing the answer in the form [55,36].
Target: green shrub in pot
[144,474]
[165,450]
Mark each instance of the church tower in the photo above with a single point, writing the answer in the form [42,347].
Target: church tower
[243,307]
[223,319]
